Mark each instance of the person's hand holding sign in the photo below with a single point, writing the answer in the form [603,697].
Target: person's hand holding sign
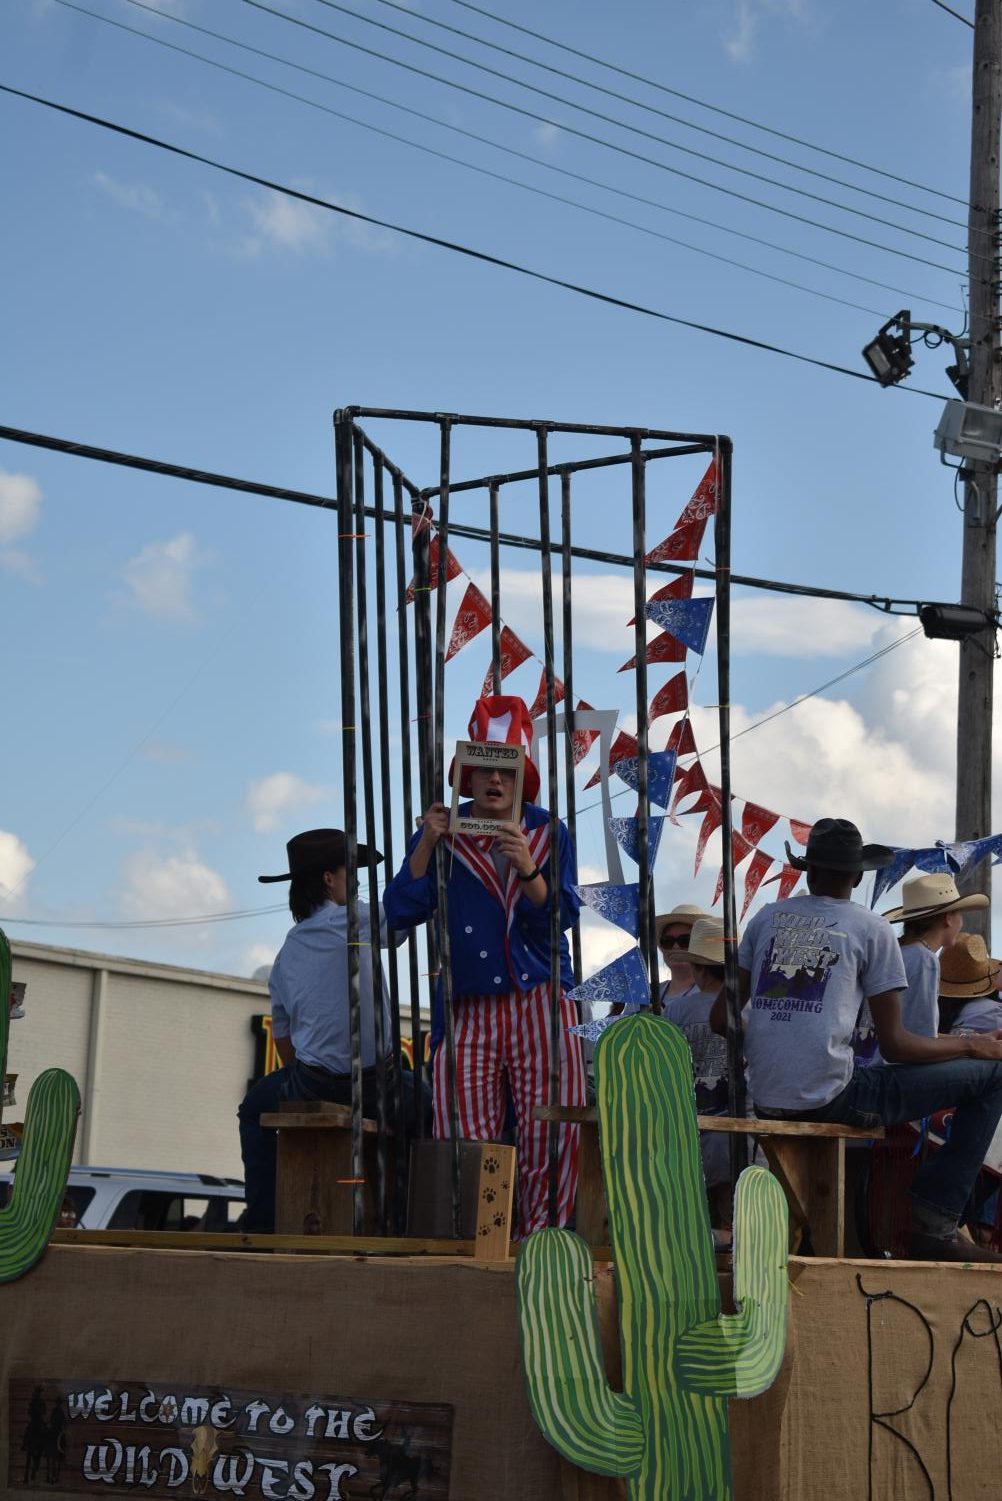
[512,843]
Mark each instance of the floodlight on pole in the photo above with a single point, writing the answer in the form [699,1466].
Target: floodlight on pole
[968,431]
[955,622]
[889,355]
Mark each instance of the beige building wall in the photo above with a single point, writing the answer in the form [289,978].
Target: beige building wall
[161,1054]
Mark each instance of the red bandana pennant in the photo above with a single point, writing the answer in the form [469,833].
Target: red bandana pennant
[513,653]
[681,547]
[704,498]
[453,568]
[679,588]
[473,615]
[710,825]
[663,648]
[800,831]
[539,702]
[740,850]
[756,822]
[753,878]
[671,699]
[681,740]
[582,740]
[787,878]
[622,747]
[692,779]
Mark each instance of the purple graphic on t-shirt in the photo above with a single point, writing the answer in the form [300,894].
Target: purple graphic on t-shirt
[797,964]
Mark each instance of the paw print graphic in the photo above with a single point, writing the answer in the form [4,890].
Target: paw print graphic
[484,1230]
[491,1164]
[489,1195]
[498,1220]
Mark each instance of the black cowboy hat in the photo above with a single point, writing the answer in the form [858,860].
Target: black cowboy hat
[318,850]
[837,844]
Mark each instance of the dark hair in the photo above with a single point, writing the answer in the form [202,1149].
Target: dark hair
[306,894]
[716,971]
[917,927]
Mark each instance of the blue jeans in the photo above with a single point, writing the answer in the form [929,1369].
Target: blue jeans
[909,1091]
[259,1144]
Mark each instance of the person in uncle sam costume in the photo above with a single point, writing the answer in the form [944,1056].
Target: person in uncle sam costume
[499,893]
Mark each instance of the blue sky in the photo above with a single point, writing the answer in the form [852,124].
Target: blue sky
[171,662]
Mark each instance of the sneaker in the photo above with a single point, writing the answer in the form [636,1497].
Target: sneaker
[955,1247]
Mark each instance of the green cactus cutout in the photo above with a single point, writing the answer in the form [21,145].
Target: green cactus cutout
[666,1432]
[43,1164]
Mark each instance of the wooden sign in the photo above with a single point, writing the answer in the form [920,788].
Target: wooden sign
[158,1439]
[478,755]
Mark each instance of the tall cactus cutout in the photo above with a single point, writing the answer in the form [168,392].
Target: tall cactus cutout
[666,1432]
[43,1164]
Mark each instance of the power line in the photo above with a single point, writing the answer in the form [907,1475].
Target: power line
[153,922]
[950,11]
[498,146]
[169,470]
[717,135]
[716,109]
[485,257]
[600,141]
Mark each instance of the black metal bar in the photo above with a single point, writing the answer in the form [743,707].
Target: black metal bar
[646,924]
[464,419]
[737,1102]
[553,1135]
[577,466]
[364,738]
[423,681]
[441,873]
[572,817]
[403,669]
[495,592]
[346,595]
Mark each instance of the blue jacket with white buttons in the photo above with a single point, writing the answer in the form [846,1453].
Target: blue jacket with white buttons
[488,957]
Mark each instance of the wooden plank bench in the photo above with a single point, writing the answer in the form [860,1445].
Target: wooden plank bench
[807,1157]
[314,1182]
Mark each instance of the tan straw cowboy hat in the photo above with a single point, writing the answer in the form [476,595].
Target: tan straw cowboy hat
[684,914]
[967,970]
[925,896]
[706,941]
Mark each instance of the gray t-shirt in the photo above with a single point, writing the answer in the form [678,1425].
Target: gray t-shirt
[813,961]
[982,1015]
[919,1003]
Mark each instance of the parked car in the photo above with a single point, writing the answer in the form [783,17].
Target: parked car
[122,1198]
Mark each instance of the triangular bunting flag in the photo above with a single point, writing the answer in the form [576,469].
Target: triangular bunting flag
[625,979]
[623,745]
[453,568]
[681,740]
[679,588]
[740,850]
[933,862]
[618,904]
[711,823]
[671,699]
[582,740]
[627,834]
[692,779]
[800,831]
[663,648]
[513,653]
[753,878]
[703,502]
[756,822]
[681,547]
[990,845]
[472,616]
[539,702]
[688,620]
[964,852]
[660,775]
[787,878]
[891,874]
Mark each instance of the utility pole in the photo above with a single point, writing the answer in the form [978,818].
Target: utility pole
[977,664]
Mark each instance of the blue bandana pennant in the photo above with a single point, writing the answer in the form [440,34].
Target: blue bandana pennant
[884,879]
[625,979]
[933,861]
[618,904]
[627,832]
[660,775]
[688,620]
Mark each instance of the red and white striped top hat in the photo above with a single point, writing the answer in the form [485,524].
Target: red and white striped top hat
[505,721]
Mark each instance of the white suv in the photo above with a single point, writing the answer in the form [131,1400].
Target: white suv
[120,1198]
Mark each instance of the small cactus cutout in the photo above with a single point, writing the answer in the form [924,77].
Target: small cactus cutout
[43,1164]
[666,1433]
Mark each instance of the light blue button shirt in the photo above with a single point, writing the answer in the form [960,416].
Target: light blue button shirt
[309,990]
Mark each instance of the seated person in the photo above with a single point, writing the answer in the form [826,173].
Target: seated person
[673,930]
[691,1013]
[968,988]
[806,966]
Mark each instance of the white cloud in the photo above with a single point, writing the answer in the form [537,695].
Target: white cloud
[271,798]
[20,503]
[135,196]
[281,223]
[547,134]
[791,626]
[740,37]
[16,864]
[258,956]
[178,886]
[159,578]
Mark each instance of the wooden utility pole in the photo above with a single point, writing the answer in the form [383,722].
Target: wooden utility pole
[977,664]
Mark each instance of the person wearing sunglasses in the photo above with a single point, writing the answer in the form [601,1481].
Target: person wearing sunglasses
[674,930]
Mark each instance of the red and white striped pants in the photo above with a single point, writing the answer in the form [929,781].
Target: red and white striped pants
[498,1035]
